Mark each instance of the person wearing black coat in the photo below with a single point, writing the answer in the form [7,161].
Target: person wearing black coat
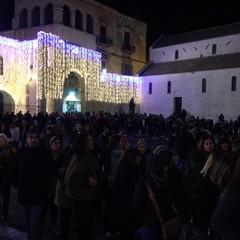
[226,217]
[33,173]
[6,173]
[129,173]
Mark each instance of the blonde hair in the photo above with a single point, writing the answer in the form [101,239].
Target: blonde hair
[4,137]
[215,168]
[141,141]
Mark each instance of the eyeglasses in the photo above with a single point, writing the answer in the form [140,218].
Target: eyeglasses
[57,142]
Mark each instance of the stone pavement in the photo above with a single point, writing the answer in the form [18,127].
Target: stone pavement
[9,233]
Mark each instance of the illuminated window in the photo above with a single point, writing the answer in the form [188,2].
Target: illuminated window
[169,85]
[36,16]
[204,85]
[150,88]
[1,65]
[234,84]
[78,20]
[23,18]
[66,16]
[89,28]
[48,14]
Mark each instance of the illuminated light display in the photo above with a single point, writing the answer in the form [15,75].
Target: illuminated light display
[35,70]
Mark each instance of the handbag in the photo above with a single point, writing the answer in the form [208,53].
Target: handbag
[170,229]
[191,232]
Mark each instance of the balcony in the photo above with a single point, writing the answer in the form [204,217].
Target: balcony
[104,41]
[127,48]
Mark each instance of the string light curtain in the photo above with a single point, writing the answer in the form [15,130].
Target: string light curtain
[48,60]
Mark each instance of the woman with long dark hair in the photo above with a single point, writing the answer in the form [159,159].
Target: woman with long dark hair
[82,181]
[129,173]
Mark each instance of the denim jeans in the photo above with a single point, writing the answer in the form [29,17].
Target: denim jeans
[32,217]
[147,234]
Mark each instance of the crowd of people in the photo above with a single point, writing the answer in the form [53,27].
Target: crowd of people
[83,169]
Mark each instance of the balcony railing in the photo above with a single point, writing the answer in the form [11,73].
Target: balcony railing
[102,40]
[128,48]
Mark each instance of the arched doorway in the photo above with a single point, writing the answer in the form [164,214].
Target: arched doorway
[73,98]
[7,103]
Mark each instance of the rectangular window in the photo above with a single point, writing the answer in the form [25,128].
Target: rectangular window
[214,49]
[204,85]
[127,69]
[126,38]
[150,88]
[234,84]
[103,33]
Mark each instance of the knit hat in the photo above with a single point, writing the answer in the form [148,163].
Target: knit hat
[53,139]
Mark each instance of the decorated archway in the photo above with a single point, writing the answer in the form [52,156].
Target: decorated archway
[73,93]
[7,103]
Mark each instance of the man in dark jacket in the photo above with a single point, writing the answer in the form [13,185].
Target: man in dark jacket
[33,171]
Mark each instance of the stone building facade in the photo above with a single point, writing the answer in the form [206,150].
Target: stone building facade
[58,48]
[196,71]
[86,23]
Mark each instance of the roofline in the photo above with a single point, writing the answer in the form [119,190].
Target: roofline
[144,68]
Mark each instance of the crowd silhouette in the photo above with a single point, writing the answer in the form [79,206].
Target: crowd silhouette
[89,170]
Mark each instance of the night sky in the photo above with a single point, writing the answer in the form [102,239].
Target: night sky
[167,17]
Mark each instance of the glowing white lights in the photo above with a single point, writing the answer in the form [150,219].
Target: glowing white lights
[47,61]
[71,97]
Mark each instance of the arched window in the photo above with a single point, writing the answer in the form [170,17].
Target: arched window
[1,65]
[89,28]
[204,85]
[214,49]
[23,18]
[150,88]
[78,20]
[169,86]
[176,54]
[66,16]
[48,14]
[234,84]
[36,16]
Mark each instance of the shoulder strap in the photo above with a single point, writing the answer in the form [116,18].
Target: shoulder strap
[152,197]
